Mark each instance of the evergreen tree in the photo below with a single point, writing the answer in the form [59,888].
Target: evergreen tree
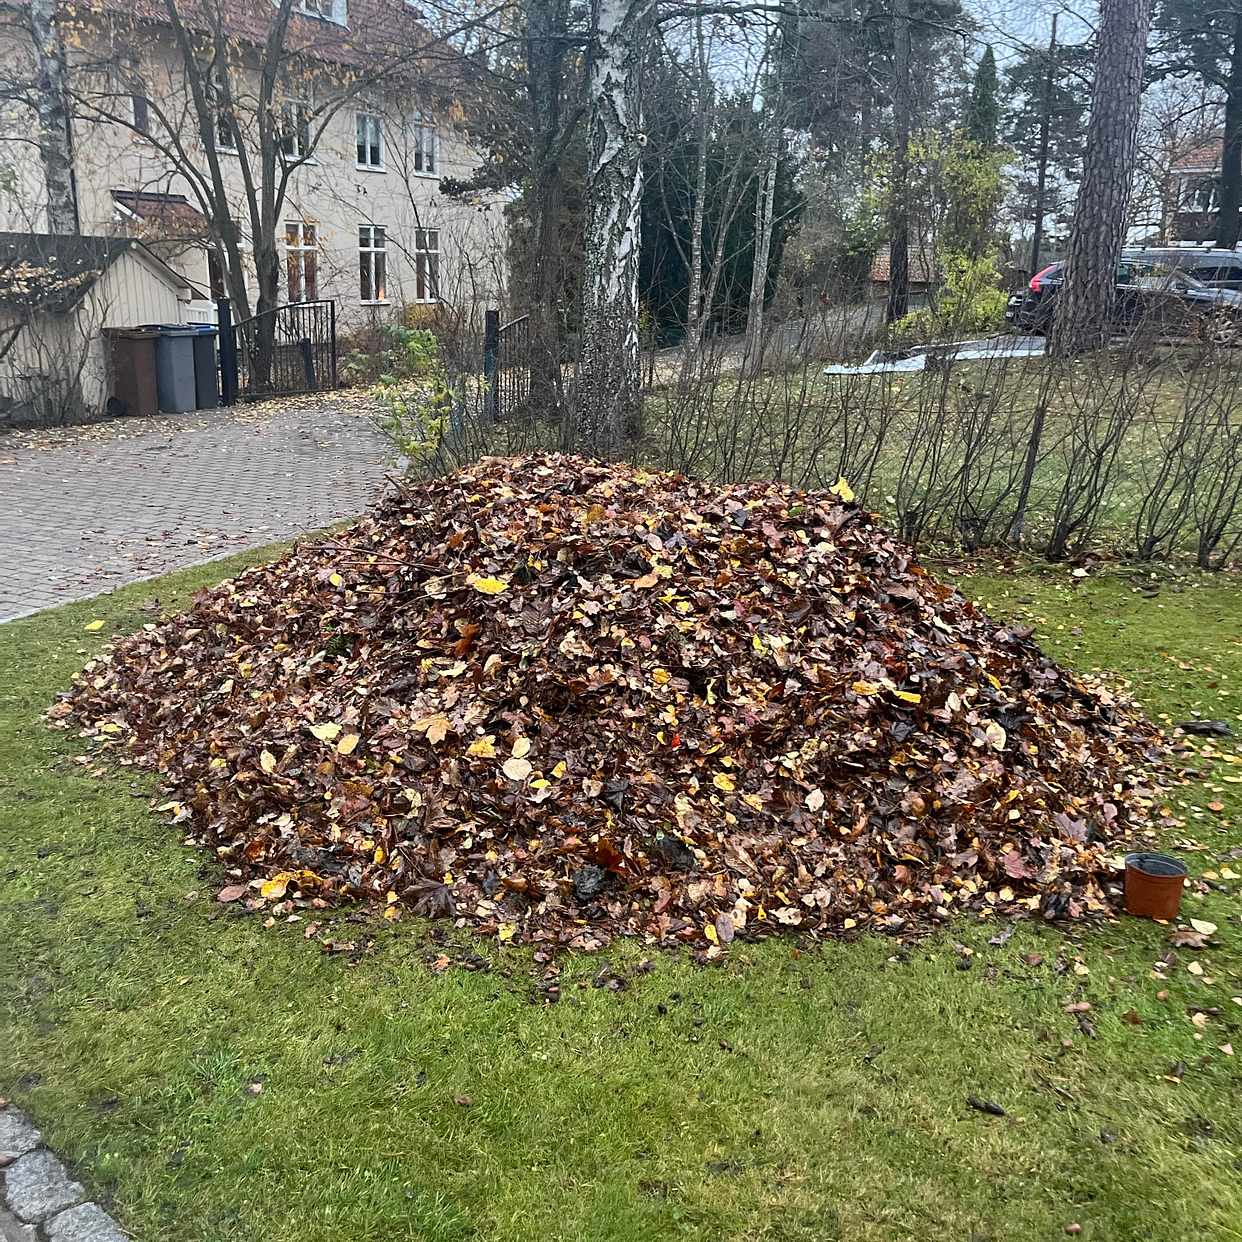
[983,114]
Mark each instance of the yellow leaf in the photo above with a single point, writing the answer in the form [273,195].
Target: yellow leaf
[661,676]
[907,697]
[540,784]
[392,913]
[997,737]
[724,782]
[335,579]
[521,748]
[390,897]
[92,626]
[482,747]
[217,762]
[559,770]
[434,727]
[379,854]
[325,732]
[842,488]
[274,889]
[506,932]
[710,932]
[865,687]
[488,586]
[347,744]
[267,761]
[516,769]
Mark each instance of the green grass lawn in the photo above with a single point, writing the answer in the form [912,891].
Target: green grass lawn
[213,1079]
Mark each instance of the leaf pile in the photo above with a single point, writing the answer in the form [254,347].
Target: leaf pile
[562,700]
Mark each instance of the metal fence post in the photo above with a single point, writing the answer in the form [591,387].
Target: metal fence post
[491,352]
[228,352]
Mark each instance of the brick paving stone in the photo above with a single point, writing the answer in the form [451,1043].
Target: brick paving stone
[89,509]
[37,1185]
[87,1222]
[17,1135]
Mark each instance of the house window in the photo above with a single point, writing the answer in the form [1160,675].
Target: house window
[302,261]
[372,263]
[1199,193]
[295,130]
[225,129]
[426,265]
[426,157]
[142,113]
[328,10]
[370,141]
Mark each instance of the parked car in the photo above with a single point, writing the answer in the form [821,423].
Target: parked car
[1149,293]
[1222,269]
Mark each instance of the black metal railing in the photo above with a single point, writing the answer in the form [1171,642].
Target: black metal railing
[506,364]
[289,349]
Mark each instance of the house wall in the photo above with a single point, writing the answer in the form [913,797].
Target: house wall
[332,192]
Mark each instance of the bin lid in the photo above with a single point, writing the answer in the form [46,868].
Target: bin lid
[169,329]
[132,334]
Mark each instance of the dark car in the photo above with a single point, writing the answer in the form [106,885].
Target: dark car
[1149,294]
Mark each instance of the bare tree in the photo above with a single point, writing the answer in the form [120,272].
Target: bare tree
[1098,231]
[899,205]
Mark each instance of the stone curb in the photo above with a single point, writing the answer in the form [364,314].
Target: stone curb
[40,1202]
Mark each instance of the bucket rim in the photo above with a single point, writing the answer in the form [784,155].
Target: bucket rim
[1164,861]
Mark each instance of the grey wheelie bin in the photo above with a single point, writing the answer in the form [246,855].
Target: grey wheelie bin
[174,367]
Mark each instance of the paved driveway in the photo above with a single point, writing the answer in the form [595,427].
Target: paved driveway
[85,510]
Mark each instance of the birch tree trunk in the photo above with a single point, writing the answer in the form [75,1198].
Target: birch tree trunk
[899,205]
[53,121]
[1084,308]
[607,390]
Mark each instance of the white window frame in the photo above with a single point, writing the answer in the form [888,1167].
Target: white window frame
[323,10]
[364,118]
[426,153]
[373,261]
[426,266]
[296,254]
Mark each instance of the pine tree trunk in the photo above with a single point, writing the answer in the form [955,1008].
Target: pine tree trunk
[899,206]
[1084,307]
[1229,219]
[53,121]
[1041,176]
[608,396]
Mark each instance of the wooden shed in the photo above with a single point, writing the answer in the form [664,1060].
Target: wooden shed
[57,295]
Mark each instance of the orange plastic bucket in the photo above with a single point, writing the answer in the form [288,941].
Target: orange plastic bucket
[1154,885]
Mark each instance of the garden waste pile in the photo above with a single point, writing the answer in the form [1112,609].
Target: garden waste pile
[562,701]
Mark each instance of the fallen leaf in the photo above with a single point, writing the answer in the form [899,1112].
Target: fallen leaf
[488,586]
[521,748]
[93,626]
[231,892]
[1203,927]
[347,744]
[267,761]
[516,769]
[482,748]
[842,489]
[325,732]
